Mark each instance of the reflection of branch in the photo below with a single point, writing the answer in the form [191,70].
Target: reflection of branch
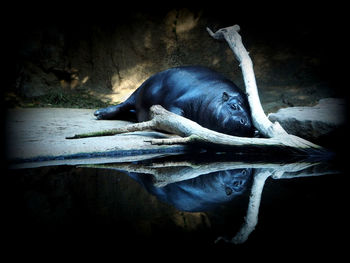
[171,172]
[251,219]
[322,168]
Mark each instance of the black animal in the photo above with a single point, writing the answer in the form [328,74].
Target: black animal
[197,93]
[203,193]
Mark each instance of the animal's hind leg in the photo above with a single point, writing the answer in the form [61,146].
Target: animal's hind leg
[123,111]
[106,113]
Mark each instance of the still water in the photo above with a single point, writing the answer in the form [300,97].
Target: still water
[210,202]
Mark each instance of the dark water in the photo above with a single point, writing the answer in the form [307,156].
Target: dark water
[114,207]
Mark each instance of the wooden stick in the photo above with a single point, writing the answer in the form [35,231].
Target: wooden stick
[277,138]
[147,125]
[260,120]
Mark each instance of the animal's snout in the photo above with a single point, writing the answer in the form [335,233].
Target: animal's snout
[228,191]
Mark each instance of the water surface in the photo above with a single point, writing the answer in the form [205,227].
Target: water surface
[180,202]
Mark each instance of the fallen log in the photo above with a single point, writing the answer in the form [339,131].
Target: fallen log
[276,138]
[193,134]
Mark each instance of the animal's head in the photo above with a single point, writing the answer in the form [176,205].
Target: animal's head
[234,181]
[236,116]
[201,193]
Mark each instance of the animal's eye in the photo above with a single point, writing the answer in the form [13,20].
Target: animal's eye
[233,106]
[242,121]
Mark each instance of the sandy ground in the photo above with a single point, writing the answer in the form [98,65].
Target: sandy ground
[38,134]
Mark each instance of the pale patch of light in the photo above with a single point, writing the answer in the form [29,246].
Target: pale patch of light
[132,79]
[85,79]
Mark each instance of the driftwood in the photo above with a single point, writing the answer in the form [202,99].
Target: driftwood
[193,133]
[276,138]
[165,173]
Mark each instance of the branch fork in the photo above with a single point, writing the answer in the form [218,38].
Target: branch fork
[192,133]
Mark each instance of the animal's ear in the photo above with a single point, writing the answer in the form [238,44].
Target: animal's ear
[225,96]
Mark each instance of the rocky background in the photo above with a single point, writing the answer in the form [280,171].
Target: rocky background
[78,60]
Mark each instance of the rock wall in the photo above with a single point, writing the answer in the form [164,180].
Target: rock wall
[324,123]
[110,57]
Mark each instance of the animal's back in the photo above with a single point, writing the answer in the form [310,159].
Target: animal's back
[195,92]
[182,87]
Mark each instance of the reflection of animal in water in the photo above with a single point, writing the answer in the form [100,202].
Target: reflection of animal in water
[202,193]
[197,93]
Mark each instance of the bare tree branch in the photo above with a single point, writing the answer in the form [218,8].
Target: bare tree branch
[277,138]
[260,120]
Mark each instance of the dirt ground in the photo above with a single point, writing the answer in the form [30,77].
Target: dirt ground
[86,63]
[38,135]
